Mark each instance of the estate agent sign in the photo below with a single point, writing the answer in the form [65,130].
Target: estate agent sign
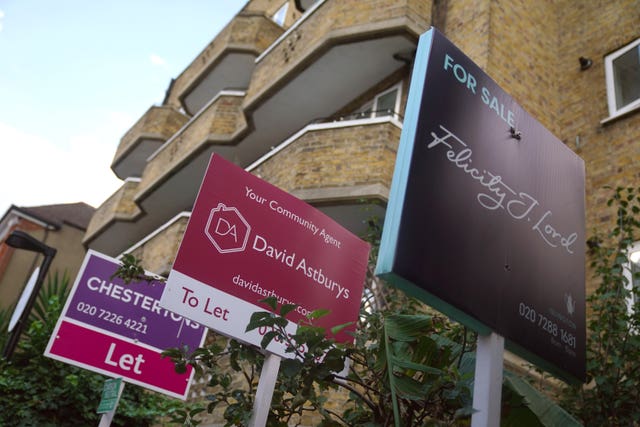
[119,329]
[247,240]
[486,213]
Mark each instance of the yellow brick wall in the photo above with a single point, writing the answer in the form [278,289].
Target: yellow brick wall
[337,157]
[611,152]
[217,123]
[157,254]
[157,122]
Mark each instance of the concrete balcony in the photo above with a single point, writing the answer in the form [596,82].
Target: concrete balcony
[113,219]
[339,167]
[226,63]
[335,52]
[172,175]
[166,175]
[158,250]
[154,128]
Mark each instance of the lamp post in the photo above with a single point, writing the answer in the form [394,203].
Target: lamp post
[21,240]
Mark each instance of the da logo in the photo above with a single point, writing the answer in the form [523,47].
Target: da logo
[227,229]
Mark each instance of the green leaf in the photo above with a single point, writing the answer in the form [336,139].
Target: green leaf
[290,367]
[336,329]
[409,388]
[286,309]
[272,302]
[258,319]
[405,327]
[408,364]
[316,314]
[267,338]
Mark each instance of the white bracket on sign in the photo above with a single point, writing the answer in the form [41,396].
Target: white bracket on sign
[264,393]
[487,388]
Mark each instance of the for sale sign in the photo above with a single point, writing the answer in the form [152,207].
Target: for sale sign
[247,240]
[119,329]
[486,213]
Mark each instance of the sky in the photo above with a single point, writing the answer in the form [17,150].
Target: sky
[75,75]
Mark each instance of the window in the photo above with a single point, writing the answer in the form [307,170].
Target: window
[622,69]
[634,267]
[281,14]
[386,103]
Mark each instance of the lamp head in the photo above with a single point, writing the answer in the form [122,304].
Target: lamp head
[21,240]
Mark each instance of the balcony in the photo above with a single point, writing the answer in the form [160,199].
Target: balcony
[154,128]
[335,52]
[339,166]
[165,178]
[113,219]
[158,250]
[226,63]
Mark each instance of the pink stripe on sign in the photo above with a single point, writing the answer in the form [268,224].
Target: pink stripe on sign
[118,357]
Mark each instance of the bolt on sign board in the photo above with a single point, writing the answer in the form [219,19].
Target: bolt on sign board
[486,213]
[119,329]
[247,240]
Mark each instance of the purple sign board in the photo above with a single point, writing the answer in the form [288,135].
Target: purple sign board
[486,213]
[120,329]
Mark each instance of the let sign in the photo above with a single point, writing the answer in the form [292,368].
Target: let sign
[486,214]
[247,240]
[119,329]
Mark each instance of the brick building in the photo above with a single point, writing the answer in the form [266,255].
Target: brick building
[60,226]
[310,96]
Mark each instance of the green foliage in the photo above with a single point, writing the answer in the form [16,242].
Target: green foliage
[406,367]
[397,358]
[612,396]
[39,391]
[131,270]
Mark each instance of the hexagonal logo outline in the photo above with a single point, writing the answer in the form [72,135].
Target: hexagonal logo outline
[223,207]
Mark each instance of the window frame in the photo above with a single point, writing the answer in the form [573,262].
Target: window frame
[628,273]
[373,104]
[614,111]
[280,15]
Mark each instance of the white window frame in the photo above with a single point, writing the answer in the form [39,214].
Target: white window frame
[373,104]
[611,89]
[635,248]
[280,16]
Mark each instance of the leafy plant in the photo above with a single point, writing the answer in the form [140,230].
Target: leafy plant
[612,396]
[397,361]
[408,366]
[39,391]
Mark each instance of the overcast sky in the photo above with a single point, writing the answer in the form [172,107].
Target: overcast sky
[75,75]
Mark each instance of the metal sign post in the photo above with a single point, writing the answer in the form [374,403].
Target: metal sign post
[487,388]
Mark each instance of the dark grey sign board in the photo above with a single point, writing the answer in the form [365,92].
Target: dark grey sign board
[486,219]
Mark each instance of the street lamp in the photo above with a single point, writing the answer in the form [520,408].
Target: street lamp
[21,240]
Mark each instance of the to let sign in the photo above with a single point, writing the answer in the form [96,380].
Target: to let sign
[486,213]
[119,329]
[247,240]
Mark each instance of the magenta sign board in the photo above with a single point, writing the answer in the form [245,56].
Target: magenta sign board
[247,240]
[120,329]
